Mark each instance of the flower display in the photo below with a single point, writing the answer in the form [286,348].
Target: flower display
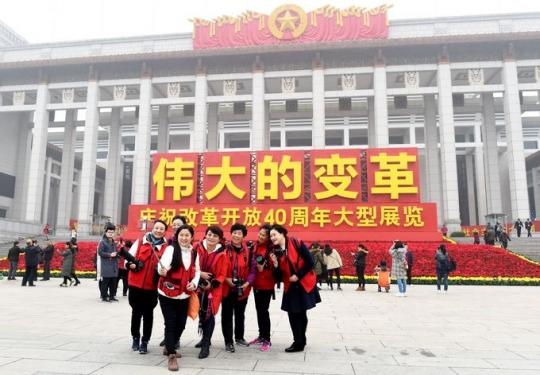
[476,264]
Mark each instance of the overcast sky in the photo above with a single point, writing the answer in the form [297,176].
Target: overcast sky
[41,21]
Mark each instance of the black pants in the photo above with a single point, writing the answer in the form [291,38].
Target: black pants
[12,270]
[142,304]
[299,322]
[207,322]
[529,233]
[409,275]
[360,270]
[122,275]
[232,306]
[262,304]
[518,232]
[74,275]
[175,316]
[331,277]
[46,269]
[30,274]
[66,278]
[108,287]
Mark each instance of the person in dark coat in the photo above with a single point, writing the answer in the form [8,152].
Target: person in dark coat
[504,238]
[75,250]
[518,225]
[410,259]
[40,255]
[122,270]
[31,260]
[67,264]
[294,266]
[528,226]
[48,254]
[360,264]
[13,258]
[108,264]
[442,262]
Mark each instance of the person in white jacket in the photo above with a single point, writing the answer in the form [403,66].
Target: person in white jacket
[333,265]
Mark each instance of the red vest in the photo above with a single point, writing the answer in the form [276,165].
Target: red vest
[144,279]
[241,262]
[216,264]
[175,282]
[309,281]
[264,280]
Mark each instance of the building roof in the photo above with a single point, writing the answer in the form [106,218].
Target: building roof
[431,31]
[9,38]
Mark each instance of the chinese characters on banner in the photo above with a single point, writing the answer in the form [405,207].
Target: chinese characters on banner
[320,191]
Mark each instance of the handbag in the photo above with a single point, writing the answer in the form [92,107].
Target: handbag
[193,306]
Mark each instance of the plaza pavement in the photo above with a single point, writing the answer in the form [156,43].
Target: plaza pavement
[471,330]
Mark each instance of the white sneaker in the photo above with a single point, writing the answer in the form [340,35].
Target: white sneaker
[404,294]
[446,291]
[398,294]
[439,291]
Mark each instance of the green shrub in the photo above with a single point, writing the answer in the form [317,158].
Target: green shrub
[457,234]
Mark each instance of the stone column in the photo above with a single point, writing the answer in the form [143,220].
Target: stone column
[111,199]
[471,193]
[491,155]
[371,121]
[46,191]
[380,123]
[213,130]
[433,163]
[87,183]
[536,190]
[24,145]
[66,174]
[259,136]
[450,195]
[519,198]
[163,129]
[480,176]
[319,115]
[37,155]
[199,127]
[141,160]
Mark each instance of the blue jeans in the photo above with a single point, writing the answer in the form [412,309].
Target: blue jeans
[12,269]
[442,277]
[402,285]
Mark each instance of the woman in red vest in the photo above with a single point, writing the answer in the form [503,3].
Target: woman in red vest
[236,288]
[179,276]
[294,263]
[213,264]
[142,281]
[263,287]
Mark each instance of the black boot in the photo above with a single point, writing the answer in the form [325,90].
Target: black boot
[205,348]
[144,347]
[136,344]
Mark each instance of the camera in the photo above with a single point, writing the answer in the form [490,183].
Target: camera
[238,285]
[260,260]
[250,245]
[203,283]
[279,252]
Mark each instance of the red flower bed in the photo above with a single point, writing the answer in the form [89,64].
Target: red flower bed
[472,260]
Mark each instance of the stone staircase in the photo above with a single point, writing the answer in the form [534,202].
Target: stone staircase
[527,247]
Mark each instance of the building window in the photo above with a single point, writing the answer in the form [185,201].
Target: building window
[530,145]
[236,140]
[3,213]
[275,139]
[179,142]
[334,137]
[396,140]
[299,138]
[358,137]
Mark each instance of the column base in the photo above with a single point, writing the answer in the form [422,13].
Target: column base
[453,225]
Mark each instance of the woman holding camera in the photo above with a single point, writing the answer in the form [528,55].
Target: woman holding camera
[142,281]
[263,286]
[236,288]
[213,272]
[179,276]
[294,264]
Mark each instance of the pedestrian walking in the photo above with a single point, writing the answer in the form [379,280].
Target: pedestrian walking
[518,225]
[333,262]
[108,264]
[13,257]
[67,264]
[360,265]
[442,266]
[48,253]
[31,260]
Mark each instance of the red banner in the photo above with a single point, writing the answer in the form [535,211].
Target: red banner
[336,176]
[226,177]
[280,176]
[388,221]
[291,24]
[392,175]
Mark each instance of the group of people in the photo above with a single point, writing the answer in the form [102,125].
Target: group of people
[198,278]
[327,263]
[34,255]
[518,225]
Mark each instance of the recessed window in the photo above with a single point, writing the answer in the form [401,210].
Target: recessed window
[300,138]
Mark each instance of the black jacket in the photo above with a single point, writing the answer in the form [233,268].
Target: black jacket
[13,253]
[48,253]
[31,256]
